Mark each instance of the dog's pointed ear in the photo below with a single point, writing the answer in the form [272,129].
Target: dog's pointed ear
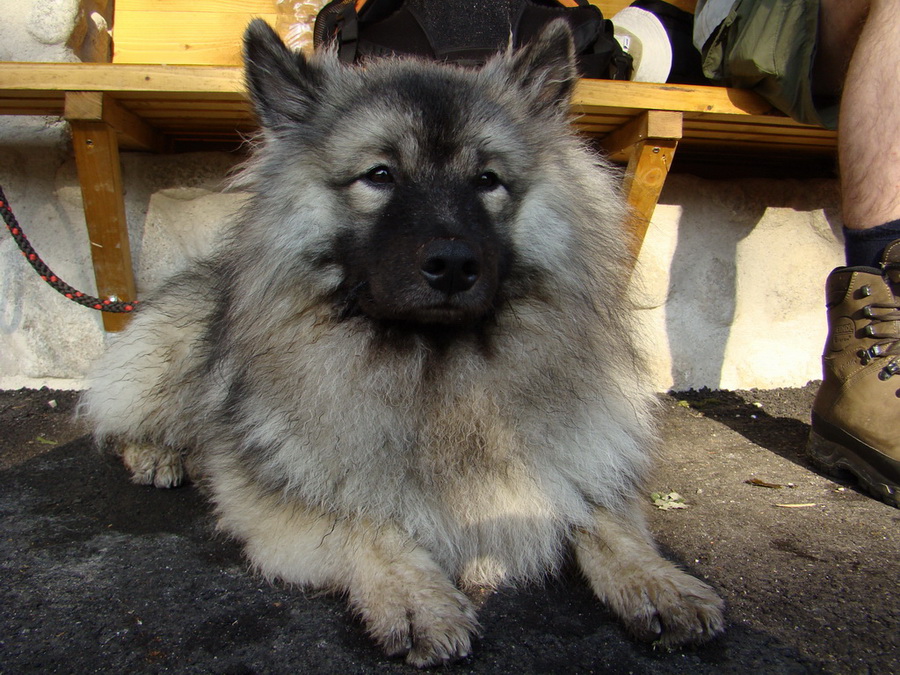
[282,83]
[545,68]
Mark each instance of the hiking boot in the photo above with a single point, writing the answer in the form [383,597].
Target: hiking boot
[856,413]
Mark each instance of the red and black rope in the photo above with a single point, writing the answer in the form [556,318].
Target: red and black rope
[108,305]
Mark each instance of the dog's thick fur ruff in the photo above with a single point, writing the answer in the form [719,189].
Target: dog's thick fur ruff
[407,369]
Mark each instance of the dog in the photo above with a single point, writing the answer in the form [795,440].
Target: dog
[407,372]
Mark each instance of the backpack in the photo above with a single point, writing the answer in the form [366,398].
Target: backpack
[466,33]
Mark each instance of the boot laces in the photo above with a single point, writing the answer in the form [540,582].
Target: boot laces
[884,326]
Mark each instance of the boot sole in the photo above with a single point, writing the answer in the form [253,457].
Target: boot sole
[836,451]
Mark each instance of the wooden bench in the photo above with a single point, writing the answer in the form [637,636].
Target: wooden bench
[170,108]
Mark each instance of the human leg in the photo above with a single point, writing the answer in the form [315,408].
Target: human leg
[869,128]
[855,420]
[869,124]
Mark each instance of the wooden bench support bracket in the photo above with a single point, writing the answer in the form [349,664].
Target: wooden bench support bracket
[644,179]
[99,172]
[649,142]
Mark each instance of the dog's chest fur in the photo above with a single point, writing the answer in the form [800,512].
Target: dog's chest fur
[428,439]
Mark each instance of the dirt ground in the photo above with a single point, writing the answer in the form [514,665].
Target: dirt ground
[99,575]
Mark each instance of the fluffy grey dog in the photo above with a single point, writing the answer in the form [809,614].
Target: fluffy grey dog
[406,372]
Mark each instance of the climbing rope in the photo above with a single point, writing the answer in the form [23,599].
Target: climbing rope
[108,305]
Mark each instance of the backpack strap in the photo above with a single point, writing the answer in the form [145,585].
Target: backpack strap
[339,21]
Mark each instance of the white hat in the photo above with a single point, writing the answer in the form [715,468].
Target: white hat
[643,36]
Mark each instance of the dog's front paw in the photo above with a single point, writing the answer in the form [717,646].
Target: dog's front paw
[430,623]
[153,465]
[657,601]
[670,608]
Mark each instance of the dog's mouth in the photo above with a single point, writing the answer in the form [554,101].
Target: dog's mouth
[418,306]
[447,312]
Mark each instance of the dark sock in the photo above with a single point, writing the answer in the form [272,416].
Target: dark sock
[863,248]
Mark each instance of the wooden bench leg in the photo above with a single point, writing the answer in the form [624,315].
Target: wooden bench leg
[100,175]
[649,142]
[644,179]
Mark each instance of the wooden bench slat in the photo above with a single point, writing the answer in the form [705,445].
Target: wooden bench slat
[156,92]
[181,37]
[203,81]
[247,7]
[616,95]
[590,96]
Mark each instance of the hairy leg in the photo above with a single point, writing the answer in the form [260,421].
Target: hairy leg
[869,128]
[656,600]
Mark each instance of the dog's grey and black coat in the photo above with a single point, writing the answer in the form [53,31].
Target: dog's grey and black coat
[407,371]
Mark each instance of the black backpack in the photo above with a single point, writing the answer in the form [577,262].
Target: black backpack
[466,32]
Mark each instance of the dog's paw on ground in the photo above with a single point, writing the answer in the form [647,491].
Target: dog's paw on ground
[672,608]
[430,626]
[153,465]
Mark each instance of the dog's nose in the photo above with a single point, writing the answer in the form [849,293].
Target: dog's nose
[450,265]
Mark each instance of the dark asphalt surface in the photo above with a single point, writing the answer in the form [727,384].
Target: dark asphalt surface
[102,576]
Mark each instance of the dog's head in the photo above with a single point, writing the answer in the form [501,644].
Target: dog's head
[400,182]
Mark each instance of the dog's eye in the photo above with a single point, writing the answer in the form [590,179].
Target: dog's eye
[487,181]
[380,175]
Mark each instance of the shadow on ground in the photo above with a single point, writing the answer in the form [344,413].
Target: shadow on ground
[744,413]
[748,414]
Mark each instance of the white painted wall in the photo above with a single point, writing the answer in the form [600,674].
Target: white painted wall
[729,288]
[731,279]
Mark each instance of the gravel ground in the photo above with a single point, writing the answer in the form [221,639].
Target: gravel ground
[99,575]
